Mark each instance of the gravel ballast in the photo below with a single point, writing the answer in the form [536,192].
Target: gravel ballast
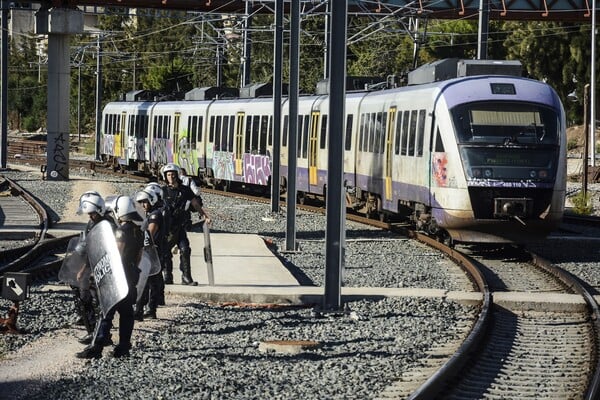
[211,351]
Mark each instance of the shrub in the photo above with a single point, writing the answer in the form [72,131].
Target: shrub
[582,204]
[572,144]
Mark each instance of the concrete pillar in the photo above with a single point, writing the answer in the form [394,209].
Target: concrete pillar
[58,24]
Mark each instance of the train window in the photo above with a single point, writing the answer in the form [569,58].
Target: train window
[348,141]
[264,127]
[160,126]
[231,133]
[147,126]
[218,124]
[323,142]
[413,133]
[405,123]
[223,134]
[255,133]
[167,122]
[211,136]
[200,129]
[507,123]
[439,145]
[362,130]
[191,128]
[270,140]
[247,143]
[131,125]
[421,133]
[305,129]
[378,132]
[382,132]
[299,137]
[398,133]
[372,132]
[284,134]
[106,132]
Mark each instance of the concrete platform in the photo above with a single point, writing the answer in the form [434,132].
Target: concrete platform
[246,271]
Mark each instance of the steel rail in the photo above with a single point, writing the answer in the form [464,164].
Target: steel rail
[437,382]
[593,391]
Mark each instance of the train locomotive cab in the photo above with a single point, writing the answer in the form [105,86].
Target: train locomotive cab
[510,149]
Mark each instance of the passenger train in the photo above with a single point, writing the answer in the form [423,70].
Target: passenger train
[474,155]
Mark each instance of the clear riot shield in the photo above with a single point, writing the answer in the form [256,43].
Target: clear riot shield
[149,265]
[107,267]
[74,269]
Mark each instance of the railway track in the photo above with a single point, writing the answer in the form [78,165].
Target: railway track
[520,352]
[25,223]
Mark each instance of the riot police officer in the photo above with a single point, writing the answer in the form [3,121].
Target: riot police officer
[178,198]
[130,241]
[92,204]
[154,235]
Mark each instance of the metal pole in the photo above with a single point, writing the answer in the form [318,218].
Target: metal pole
[484,22]
[293,125]
[586,99]
[277,65]
[334,236]
[247,45]
[79,104]
[98,97]
[593,90]
[327,44]
[219,66]
[4,89]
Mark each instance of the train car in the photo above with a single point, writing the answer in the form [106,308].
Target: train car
[478,157]
[124,133]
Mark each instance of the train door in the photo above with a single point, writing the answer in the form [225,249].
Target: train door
[389,139]
[313,148]
[122,151]
[239,142]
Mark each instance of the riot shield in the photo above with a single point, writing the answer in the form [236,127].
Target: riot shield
[74,269]
[149,265]
[107,267]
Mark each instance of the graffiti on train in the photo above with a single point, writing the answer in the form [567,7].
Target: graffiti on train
[257,168]
[223,165]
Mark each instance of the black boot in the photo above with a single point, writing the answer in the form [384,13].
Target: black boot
[186,267]
[168,277]
[93,351]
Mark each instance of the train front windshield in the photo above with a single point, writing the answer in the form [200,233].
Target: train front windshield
[507,141]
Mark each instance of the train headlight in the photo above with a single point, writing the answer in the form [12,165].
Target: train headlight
[532,174]
[543,174]
[476,172]
[487,173]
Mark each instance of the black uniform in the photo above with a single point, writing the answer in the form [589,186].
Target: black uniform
[154,291]
[176,201]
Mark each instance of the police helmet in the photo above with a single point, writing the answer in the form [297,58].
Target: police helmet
[170,167]
[148,195]
[125,209]
[91,202]
[156,189]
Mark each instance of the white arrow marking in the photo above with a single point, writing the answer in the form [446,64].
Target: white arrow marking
[12,283]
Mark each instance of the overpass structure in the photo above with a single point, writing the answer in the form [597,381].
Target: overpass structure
[557,10]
